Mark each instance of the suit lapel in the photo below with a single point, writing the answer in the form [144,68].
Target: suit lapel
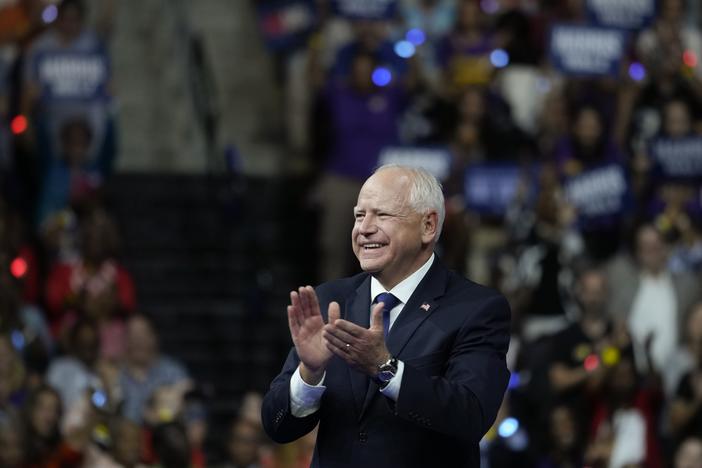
[419,307]
[357,311]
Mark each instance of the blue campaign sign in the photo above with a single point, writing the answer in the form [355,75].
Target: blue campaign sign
[587,50]
[285,24]
[599,192]
[491,188]
[72,75]
[625,14]
[678,158]
[366,9]
[436,160]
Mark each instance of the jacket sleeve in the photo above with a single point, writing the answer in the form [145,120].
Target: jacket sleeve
[278,422]
[463,402]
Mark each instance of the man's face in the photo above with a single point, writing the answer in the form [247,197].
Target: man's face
[87,345]
[244,443]
[390,239]
[651,249]
[592,292]
[142,347]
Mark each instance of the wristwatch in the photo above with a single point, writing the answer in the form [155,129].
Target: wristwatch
[386,372]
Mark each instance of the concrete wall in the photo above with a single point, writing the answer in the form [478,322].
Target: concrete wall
[157,125]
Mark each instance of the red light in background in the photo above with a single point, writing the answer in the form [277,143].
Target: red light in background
[18,124]
[591,362]
[18,267]
[690,59]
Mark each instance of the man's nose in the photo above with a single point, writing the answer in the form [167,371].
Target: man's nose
[367,224]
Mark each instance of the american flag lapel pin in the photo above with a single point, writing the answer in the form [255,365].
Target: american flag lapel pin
[425,306]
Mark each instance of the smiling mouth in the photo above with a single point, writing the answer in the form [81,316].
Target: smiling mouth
[373,246]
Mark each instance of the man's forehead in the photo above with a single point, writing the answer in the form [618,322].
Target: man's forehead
[381,199]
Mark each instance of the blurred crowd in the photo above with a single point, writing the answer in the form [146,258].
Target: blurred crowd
[576,192]
[83,382]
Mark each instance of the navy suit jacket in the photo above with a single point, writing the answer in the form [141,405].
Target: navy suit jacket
[454,379]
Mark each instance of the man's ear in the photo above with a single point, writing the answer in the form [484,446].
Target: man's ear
[430,225]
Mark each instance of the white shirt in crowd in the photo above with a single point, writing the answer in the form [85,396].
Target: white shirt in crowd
[655,310]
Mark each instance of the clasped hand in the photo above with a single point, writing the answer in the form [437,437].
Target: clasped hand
[316,342]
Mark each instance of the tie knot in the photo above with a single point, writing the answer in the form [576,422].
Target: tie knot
[388,299]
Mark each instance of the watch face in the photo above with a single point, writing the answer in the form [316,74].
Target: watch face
[385,375]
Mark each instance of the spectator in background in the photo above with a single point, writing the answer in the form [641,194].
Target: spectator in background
[489,115]
[571,372]
[11,442]
[624,425]
[588,148]
[668,27]
[686,407]
[553,122]
[541,280]
[649,178]
[371,37]
[670,79]
[689,454]
[688,353]
[44,444]
[513,30]
[463,54]
[127,446]
[243,445]
[72,179]
[145,370]
[649,298]
[435,18]
[94,286]
[565,448]
[13,374]
[75,374]
[67,75]
[26,327]
[171,445]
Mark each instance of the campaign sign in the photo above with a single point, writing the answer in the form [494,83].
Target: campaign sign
[679,158]
[72,75]
[285,24]
[625,14]
[491,188]
[437,161]
[598,192]
[587,50]
[366,9]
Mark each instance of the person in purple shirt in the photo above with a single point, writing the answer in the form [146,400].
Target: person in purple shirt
[361,117]
[587,149]
[587,146]
[463,54]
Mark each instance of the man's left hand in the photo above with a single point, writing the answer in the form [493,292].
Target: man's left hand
[363,349]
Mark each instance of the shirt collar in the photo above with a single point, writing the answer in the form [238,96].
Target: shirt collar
[404,289]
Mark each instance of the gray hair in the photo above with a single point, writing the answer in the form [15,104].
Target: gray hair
[425,194]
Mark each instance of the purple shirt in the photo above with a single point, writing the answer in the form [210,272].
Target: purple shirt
[361,126]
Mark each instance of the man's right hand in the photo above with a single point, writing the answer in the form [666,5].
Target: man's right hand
[306,325]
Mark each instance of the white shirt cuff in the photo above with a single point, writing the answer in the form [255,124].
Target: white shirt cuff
[305,399]
[392,389]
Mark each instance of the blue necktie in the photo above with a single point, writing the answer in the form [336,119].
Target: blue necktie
[389,301]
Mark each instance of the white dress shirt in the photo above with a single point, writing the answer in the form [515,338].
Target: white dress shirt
[305,399]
